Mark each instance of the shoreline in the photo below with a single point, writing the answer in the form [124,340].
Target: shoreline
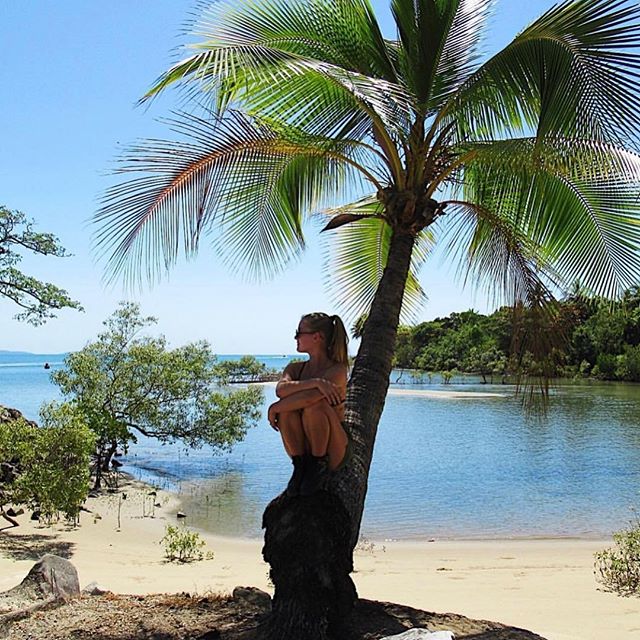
[545,585]
[428,393]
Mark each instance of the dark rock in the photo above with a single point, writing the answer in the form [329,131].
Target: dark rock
[94,589]
[10,415]
[181,515]
[253,596]
[36,515]
[9,471]
[14,512]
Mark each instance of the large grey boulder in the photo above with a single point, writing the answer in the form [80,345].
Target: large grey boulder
[50,581]
[50,576]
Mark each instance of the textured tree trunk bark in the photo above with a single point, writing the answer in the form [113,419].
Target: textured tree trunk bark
[309,540]
[369,382]
[109,453]
[307,544]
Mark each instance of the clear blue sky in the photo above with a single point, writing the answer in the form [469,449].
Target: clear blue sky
[72,72]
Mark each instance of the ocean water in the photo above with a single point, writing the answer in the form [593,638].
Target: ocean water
[444,467]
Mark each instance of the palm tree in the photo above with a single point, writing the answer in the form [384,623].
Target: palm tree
[522,165]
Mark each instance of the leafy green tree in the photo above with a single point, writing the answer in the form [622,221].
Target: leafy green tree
[38,300]
[245,369]
[126,383]
[523,164]
[404,355]
[46,467]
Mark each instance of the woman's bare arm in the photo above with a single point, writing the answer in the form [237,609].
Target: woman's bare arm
[298,394]
[299,400]
[332,385]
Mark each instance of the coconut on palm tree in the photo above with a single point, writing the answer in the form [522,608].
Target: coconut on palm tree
[522,164]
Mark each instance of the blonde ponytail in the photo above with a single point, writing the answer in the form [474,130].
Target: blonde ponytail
[337,348]
[334,332]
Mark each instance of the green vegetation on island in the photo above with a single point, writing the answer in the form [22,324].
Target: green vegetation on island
[594,338]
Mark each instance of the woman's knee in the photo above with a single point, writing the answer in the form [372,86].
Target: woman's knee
[289,420]
[316,410]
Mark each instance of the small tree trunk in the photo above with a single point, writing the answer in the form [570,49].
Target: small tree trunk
[97,483]
[307,544]
[7,517]
[108,456]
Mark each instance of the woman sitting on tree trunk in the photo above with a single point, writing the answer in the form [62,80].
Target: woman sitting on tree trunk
[310,408]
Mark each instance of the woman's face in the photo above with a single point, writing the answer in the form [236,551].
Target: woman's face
[305,337]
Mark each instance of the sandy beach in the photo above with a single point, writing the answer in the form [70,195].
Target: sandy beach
[445,394]
[546,586]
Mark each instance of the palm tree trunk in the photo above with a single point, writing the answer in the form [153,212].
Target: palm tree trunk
[369,381]
[309,541]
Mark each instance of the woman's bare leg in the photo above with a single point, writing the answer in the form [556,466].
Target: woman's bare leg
[317,428]
[338,441]
[324,432]
[292,433]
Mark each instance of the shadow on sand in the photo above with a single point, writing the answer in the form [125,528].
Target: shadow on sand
[33,546]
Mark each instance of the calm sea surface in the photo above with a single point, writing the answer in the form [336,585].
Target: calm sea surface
[443,467]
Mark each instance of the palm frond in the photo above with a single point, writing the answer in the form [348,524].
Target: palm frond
[344,33]
[492,251]
[495,253]
[422,29]
[356,255]
[321,63]
[255,182]
[576,201]
[460,51]
[573,73]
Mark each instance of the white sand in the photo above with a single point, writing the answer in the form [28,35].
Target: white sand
[546,586]
[445,395]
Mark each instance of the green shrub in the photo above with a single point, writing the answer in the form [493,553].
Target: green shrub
[47,467]
[606,363]
[618,568]
[182,545]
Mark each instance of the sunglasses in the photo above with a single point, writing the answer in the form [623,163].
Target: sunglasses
[302,333]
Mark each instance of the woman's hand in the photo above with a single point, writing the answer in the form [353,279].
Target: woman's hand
[272,416]
[330,391]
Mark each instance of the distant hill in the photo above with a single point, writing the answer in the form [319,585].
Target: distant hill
[9,352]
[18,353]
